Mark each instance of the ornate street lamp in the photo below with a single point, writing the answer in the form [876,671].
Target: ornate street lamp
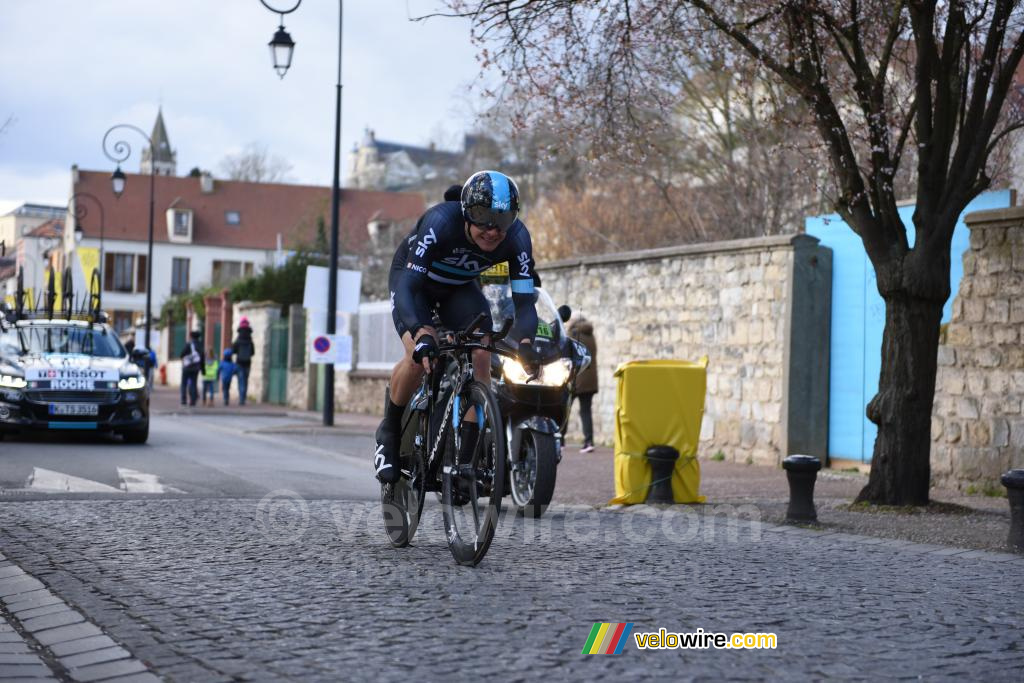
[117,181]
[118,152]
[332,266]
[281,45]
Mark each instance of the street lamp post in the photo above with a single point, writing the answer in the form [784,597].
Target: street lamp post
[281,47]
[80,212]
[118,152]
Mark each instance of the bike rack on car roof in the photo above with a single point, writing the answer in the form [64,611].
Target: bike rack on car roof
[44,308]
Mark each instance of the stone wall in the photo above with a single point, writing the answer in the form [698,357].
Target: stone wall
[758,308]
[977,421]
[363,392]
[261,316]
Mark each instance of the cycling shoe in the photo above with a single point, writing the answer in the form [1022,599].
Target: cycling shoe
[386,456]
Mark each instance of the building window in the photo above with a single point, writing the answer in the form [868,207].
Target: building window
[122,320]
[181,223]
[233,217]
[179,276]
[124,273]
[227,272]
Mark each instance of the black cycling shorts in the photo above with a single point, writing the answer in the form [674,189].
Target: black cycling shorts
[455,305]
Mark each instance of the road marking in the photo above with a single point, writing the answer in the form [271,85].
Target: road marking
[42,480]
[48,481]
[133,481]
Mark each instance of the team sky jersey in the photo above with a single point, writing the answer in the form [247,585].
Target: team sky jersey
[438,251]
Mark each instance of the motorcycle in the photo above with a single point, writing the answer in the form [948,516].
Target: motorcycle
[535,409]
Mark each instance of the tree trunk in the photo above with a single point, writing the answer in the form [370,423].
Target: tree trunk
[902,408]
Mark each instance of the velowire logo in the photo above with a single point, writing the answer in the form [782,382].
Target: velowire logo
[607,638]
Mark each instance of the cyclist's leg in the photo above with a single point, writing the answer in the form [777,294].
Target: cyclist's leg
[405,377]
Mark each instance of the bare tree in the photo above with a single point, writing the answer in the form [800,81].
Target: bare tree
[255,164]
[878,77]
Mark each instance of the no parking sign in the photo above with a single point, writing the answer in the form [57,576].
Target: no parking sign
[328,348]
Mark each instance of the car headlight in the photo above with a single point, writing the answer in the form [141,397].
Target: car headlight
[13,382]
[133,382]
[554,374]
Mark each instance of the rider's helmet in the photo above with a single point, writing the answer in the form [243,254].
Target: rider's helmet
[490,199]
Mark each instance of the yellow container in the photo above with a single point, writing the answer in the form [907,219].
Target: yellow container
[658,403]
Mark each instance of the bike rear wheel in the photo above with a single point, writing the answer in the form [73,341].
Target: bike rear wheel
[471,492]
[402,502]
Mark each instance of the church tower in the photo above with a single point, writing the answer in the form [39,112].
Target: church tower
[166,160]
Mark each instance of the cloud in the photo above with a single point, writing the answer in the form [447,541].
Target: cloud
[207,64]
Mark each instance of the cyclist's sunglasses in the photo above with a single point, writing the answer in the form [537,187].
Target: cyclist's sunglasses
[485,219]
[489,228]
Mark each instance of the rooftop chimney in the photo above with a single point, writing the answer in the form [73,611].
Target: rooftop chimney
[206,182]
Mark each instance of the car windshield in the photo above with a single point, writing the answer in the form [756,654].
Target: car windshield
[72,339]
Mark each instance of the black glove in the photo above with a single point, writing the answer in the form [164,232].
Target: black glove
[426,347]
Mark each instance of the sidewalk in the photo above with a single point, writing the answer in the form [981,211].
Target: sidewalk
[953,518]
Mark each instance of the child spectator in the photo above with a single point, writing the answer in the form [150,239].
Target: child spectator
[226,372]
[210,377]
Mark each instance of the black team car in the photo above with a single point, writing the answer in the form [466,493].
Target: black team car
[66,370]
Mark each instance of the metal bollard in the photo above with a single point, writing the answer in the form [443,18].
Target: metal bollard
[663,462]
[801,471]
[1014,483]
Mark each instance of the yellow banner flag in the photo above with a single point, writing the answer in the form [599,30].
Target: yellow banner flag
[89,258]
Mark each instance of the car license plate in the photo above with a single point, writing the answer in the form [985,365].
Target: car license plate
[74,409]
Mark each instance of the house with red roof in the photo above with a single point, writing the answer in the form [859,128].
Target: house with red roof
[212,232]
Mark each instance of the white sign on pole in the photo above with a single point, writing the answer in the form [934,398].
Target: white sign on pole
[343,358]
[331,348]
[318,322]
[315,293]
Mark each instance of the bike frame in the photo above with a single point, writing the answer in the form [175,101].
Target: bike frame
[462,347]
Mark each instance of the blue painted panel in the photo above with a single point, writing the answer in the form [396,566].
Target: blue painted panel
[858,319]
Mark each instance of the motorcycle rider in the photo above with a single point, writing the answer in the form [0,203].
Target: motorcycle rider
[436,268]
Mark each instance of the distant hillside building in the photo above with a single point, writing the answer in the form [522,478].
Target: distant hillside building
[379,165]
[21,221]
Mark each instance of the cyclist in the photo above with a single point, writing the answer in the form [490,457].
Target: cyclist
[436,268]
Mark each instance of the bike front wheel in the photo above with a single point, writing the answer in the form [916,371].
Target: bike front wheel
[533,471]
[402,502]
[471,491]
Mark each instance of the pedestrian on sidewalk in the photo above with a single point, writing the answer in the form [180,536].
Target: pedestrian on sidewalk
[210,378]
[586,382]
[191,365]
[226,371]
[244,350]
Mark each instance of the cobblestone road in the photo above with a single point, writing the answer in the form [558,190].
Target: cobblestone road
[208,590]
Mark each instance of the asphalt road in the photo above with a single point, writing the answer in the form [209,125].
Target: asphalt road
[191,455]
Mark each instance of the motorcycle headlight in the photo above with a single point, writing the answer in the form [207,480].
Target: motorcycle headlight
[13,382]
[131,383]
[553,374]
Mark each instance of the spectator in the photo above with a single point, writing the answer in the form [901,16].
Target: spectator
[226,371]
[586,383]
[210,377]
[244,350]
[191,364]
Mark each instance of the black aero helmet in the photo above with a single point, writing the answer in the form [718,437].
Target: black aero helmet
[490,199]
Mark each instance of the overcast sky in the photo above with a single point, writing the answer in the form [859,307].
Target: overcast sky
[73,68]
